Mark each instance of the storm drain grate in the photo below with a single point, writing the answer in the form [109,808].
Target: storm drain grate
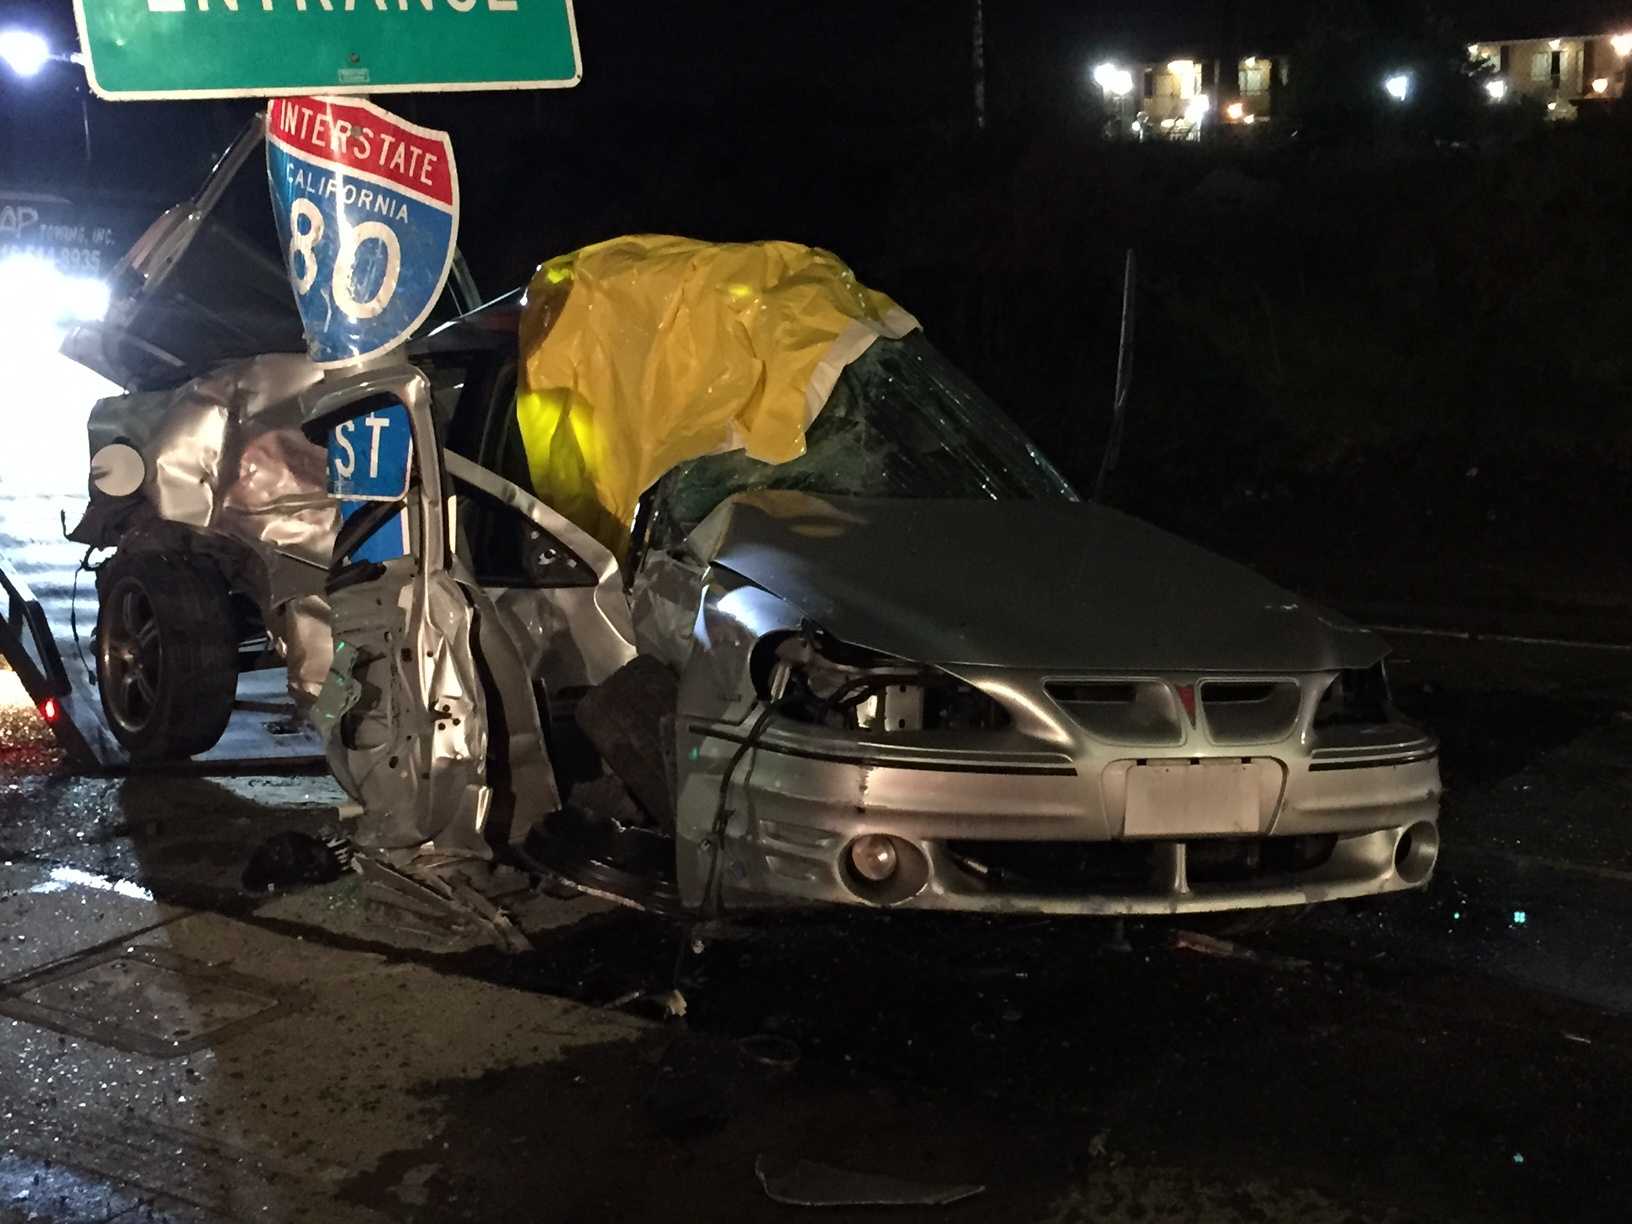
[142,1000]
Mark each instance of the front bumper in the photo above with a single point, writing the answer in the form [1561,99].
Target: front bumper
[1035,836]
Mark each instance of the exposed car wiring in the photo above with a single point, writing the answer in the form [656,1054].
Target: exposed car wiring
[84,567]
[723,811]
[848,695]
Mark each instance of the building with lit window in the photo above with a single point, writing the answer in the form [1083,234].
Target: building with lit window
[1180,97]
[1564,74]
[1192,94]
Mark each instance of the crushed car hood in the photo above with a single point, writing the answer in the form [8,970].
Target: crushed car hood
[1040,585]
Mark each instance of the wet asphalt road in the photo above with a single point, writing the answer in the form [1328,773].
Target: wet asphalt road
[1460,1054]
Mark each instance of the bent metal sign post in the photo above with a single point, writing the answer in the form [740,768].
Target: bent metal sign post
[367,209]
[150,49]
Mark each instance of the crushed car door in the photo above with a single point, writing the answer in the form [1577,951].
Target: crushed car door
[429,715]
[558,589]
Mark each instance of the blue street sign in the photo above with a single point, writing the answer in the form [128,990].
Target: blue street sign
[390,540]
[367,210]
[370,455]
[370,460]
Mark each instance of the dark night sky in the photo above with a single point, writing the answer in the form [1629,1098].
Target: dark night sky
[875,61]
[698,88]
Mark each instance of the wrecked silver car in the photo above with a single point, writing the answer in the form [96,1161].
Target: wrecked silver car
[713,585]
[202,474]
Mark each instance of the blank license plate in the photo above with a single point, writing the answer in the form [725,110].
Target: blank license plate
[1183,800]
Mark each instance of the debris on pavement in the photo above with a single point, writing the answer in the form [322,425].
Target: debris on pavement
[604,845]
[291,859]
[1211,945]
[445,890]
[808,1183]
[770,1050]
[670,1004]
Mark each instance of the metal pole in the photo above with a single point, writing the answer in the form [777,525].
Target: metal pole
[980,66]
[1124,375]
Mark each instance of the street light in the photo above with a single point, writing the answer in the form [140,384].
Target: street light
[1398,86]
[1116,82]
[1622,43]
[1497,89]
[24,51]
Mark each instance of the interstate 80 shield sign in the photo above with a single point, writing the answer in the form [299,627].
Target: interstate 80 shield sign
[367,210]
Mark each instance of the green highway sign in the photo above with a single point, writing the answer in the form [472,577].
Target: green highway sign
[136,49]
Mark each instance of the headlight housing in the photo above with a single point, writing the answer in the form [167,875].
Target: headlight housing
[814,678]
[1356,697]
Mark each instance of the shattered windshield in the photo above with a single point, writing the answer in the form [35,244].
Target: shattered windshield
[902,421]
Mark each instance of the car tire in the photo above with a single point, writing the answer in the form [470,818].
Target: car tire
[166,654]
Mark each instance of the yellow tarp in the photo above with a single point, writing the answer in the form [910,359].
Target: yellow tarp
[643,352]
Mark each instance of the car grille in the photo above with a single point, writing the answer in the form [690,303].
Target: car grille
[1125,867]
[1250,711]
[1130,868]
[1237,860]
[1121,711]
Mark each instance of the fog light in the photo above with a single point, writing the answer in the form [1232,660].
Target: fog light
[874,857]
[1416,852]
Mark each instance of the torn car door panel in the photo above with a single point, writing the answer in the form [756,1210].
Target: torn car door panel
[431,721]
